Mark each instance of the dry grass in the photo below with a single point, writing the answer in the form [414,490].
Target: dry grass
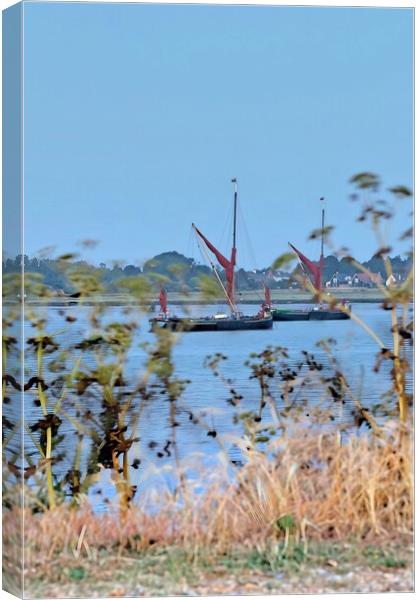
[313,487]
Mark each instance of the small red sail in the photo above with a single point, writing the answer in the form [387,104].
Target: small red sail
[314,270]
[163,301]
[267,295]
[228,265]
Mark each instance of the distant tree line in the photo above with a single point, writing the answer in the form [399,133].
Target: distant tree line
[177,272]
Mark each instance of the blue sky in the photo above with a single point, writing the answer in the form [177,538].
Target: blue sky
[137,117]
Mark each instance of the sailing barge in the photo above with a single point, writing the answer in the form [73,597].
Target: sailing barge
[320,311]
[235,321]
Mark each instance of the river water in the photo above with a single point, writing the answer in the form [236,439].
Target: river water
[206,396]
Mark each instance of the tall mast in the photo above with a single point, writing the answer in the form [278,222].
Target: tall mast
[235,205]
[321,260]
[226,263]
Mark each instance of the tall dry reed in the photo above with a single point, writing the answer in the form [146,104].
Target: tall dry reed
[323,487]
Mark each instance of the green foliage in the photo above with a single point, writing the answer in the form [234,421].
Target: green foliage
[209,288]
[84,281]
[365,181]
[77,573]
[321,232]
[120,335]
[376,556]
[283,261]
[138,287]
[286,523]
[401,191]
[12,285]
[274,558]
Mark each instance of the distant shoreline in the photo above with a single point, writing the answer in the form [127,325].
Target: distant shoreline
[359,295]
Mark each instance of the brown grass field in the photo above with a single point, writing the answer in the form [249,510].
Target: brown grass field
[318,508]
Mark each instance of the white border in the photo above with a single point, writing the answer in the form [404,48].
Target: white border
[390,4]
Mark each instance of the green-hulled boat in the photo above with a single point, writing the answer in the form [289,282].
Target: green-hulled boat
[313,272]
[317,313]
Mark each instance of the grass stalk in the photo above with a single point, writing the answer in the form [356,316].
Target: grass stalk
[48,450]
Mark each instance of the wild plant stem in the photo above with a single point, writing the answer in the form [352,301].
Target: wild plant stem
[119,484]
[4,364]
[357,320]
[50,483]
[48,449]
[398,371]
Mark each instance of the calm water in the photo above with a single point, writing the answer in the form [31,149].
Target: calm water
[206,396]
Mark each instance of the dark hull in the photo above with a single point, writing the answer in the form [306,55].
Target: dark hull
[211,324]
[309,315]
[328,315]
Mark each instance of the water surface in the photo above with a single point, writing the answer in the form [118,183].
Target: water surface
[206,395]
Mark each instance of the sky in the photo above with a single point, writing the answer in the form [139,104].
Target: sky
[136,117]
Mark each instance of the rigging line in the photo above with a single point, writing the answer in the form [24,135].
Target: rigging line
[201,252]
[248,237]
[251,248]
[190,247]
[253,257]
[225,232]
[234,310]
[204,258]
[218,278]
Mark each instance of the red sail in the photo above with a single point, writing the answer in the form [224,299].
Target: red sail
[163,302]
[228,265]
[314,270]
[267,295]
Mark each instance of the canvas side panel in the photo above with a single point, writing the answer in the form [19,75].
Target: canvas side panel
[12,302]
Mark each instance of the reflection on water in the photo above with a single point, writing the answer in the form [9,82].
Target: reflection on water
[206,395]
